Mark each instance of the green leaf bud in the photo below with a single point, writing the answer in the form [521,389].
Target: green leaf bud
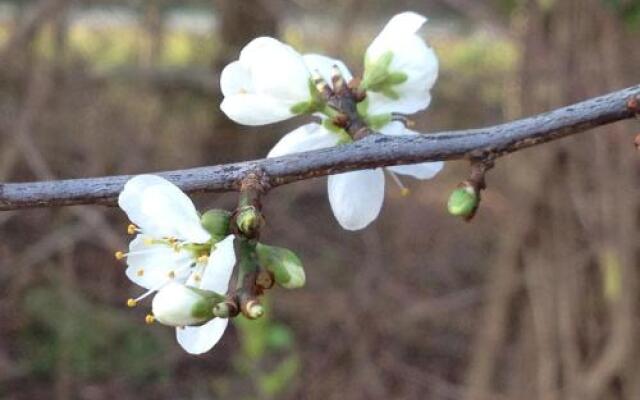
[463,201]
[249,220]
[216,222]
[283,263]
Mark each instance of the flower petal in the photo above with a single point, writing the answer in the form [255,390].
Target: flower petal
[161,209]
[424,170]
[324,66]
[200,339]
[151,265]
[173,305]
[356,197]
[411,56]
[220,266]
[256,109]
[276,69]
[305,138]
[235,79]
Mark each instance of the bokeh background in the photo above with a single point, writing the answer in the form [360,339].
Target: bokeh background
[537,298]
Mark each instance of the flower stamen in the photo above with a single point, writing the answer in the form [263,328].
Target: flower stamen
[149,319]
[132,229]
[404,191]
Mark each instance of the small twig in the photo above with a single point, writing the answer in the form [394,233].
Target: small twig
[371,152]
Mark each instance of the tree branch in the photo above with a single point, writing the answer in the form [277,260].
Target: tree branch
[370,152]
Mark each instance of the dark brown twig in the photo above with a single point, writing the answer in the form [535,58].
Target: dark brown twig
[371,152]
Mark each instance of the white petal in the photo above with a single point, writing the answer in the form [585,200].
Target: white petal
[324,66]
[161,209]
[256,109]
[276,69]
[412,56]
[220,267]
[173,305]
[426,170]
[235,79]
[356,197]
[151,265]
[409,102]
[305,138]
[200,339]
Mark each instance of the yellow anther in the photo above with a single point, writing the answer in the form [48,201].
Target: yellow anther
[410,123]
[172,274]
[404,192]
[132,229]
[149,319]
[197,277]
[203,259]
[131,303]
[119,255]
[140,272]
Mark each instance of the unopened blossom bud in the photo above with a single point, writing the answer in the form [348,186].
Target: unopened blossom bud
[249,220]
[253,310]
[216,222]
[283,263]
[463,201]
[179,305]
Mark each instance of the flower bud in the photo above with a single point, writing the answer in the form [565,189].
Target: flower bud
[216,222]
[179,305]
[249,220]
[463,201]
[283,263]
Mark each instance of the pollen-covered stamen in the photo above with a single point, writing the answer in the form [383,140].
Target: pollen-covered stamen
[149,319]
[131,303]
[132,229]
[404,191]
[120,255]
[140,272]
[203,259]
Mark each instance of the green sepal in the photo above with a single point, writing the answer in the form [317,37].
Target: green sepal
[376,122]
[314,104]
[203,309]
[463,201]
[376,72]
[216,222]
[285,266]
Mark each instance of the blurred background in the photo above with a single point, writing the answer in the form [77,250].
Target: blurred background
[537,298]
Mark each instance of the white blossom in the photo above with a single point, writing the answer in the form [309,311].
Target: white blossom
[266,84]
[172,249]
[396,52]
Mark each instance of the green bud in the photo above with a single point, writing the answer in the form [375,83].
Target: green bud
[254,310]
[283,263]
[224,310]
[249,220]
[463,201]
[216,222]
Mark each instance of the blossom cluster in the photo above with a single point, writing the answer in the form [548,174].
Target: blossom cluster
[271,82]
[186,260]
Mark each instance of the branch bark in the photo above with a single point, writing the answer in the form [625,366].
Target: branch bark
[371,152]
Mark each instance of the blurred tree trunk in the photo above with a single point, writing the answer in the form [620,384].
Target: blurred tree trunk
[573,322]
[238,24]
